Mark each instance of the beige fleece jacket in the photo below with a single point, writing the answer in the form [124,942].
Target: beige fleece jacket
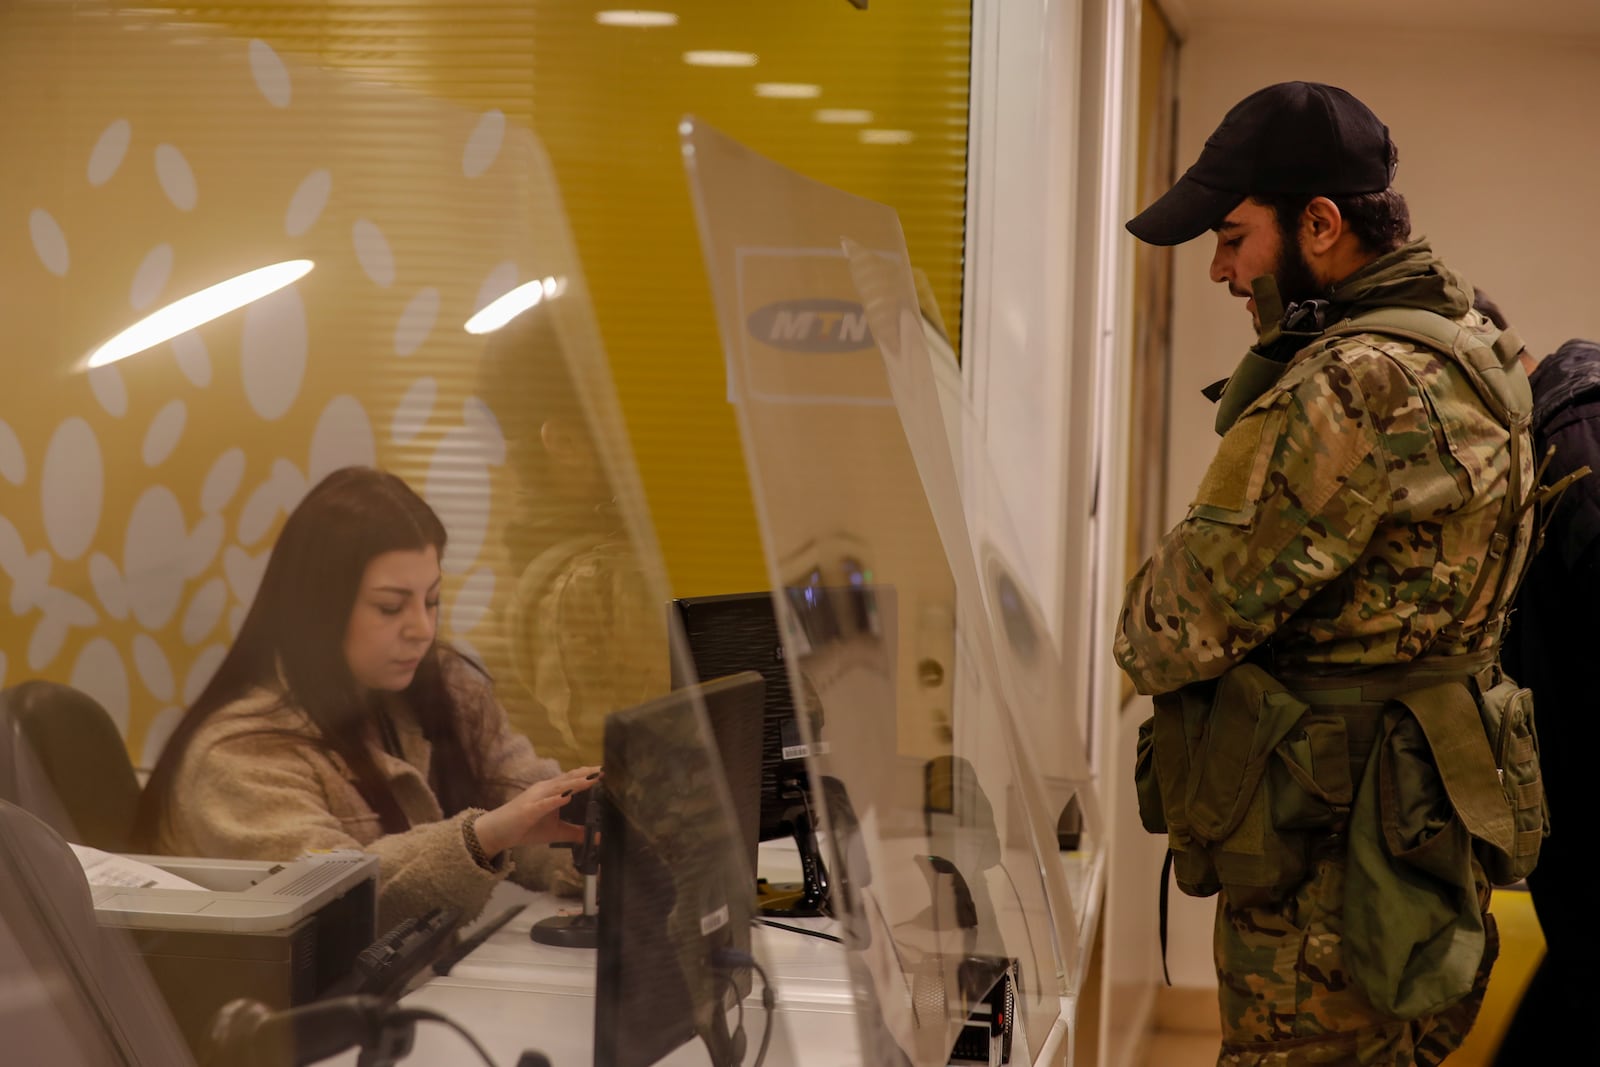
[238,796]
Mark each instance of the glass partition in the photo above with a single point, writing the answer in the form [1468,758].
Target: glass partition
[945,863]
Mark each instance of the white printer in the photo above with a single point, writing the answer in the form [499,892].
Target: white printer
[213,930]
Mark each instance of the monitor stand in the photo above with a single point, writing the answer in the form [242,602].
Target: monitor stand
[808,899]
[581,930]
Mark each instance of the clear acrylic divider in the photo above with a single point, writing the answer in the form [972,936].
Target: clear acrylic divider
[947,441]
[945,873]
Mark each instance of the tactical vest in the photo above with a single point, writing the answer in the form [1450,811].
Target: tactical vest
[1414,767]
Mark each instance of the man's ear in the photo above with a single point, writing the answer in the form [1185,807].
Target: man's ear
[1321,226]
[557,438]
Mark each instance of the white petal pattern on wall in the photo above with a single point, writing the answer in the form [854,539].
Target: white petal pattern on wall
[201,670]
[109,149]
[306,205]
[222,481]
[343,438]
[472,601]
[291,483]
[481,421]
[30,578]
[109,389]
[459,488]
[13,553]
[501,280]
[272,353]
[416,322]
[281,491]
[100,673]
[243,571]
[412,414]
[107,582]
[49,243]
[483,144]
[193,358]
[204,611]
[64,607]
[165,429]
[205,541]
[71,487]
[45,644]
[157,734]
[13,462]
[154,670]
[271,76]
[372,252]
[151,277]
[176,177]
[153,557]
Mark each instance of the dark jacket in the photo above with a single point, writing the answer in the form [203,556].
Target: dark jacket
[1553,644]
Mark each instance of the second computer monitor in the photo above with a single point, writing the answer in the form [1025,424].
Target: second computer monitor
[739,632]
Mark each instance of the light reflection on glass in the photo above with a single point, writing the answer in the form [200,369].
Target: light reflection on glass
[196,309]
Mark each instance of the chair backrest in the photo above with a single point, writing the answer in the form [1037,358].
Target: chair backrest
[77,994]
[62,758]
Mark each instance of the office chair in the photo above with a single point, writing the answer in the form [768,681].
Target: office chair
[77,994]
[62,758]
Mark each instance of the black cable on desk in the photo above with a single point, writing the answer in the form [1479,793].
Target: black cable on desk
[729,959]
[468,944]
[800,930]
[769,1004]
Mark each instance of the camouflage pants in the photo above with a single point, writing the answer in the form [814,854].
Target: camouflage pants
[1288,1001]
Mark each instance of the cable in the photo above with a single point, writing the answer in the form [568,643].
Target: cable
[424,1015]
[800,930]
[731,958]
[769,1004]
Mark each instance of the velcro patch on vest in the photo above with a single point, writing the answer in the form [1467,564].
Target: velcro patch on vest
[1226,484]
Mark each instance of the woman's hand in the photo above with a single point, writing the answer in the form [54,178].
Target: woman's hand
[533,816]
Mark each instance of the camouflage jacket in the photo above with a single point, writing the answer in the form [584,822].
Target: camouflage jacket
[1347,513]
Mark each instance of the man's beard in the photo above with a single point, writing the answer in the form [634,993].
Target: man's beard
[1293,273]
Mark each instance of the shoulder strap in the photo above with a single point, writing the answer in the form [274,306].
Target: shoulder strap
[1490,363]
[1488,359]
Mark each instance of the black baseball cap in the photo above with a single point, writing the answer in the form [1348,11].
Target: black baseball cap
[1293,138]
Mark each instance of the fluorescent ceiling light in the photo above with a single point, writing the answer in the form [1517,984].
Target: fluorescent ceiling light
[711,58]
[196,309]
[502,309]
[636,18]
[886,136]
[843,115]
[788,90]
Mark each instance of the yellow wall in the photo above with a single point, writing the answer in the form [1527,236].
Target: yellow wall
[605,102]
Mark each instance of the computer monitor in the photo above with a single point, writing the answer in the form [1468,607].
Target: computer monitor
[740,632]
[674,881]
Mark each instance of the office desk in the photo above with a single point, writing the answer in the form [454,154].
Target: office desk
[514,994]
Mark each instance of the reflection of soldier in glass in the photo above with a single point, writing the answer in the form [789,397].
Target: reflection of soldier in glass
[584,634]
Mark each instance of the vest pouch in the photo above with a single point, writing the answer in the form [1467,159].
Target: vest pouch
[1436,770]
[1308,780]
[1176,731]
[1146,783]
[1228,808]
[1508,723]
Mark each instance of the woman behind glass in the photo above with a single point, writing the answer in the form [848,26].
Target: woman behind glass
[338,721]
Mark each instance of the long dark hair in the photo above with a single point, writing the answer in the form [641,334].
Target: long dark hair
[292,642]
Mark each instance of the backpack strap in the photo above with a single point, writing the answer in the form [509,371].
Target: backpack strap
[1489,360]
